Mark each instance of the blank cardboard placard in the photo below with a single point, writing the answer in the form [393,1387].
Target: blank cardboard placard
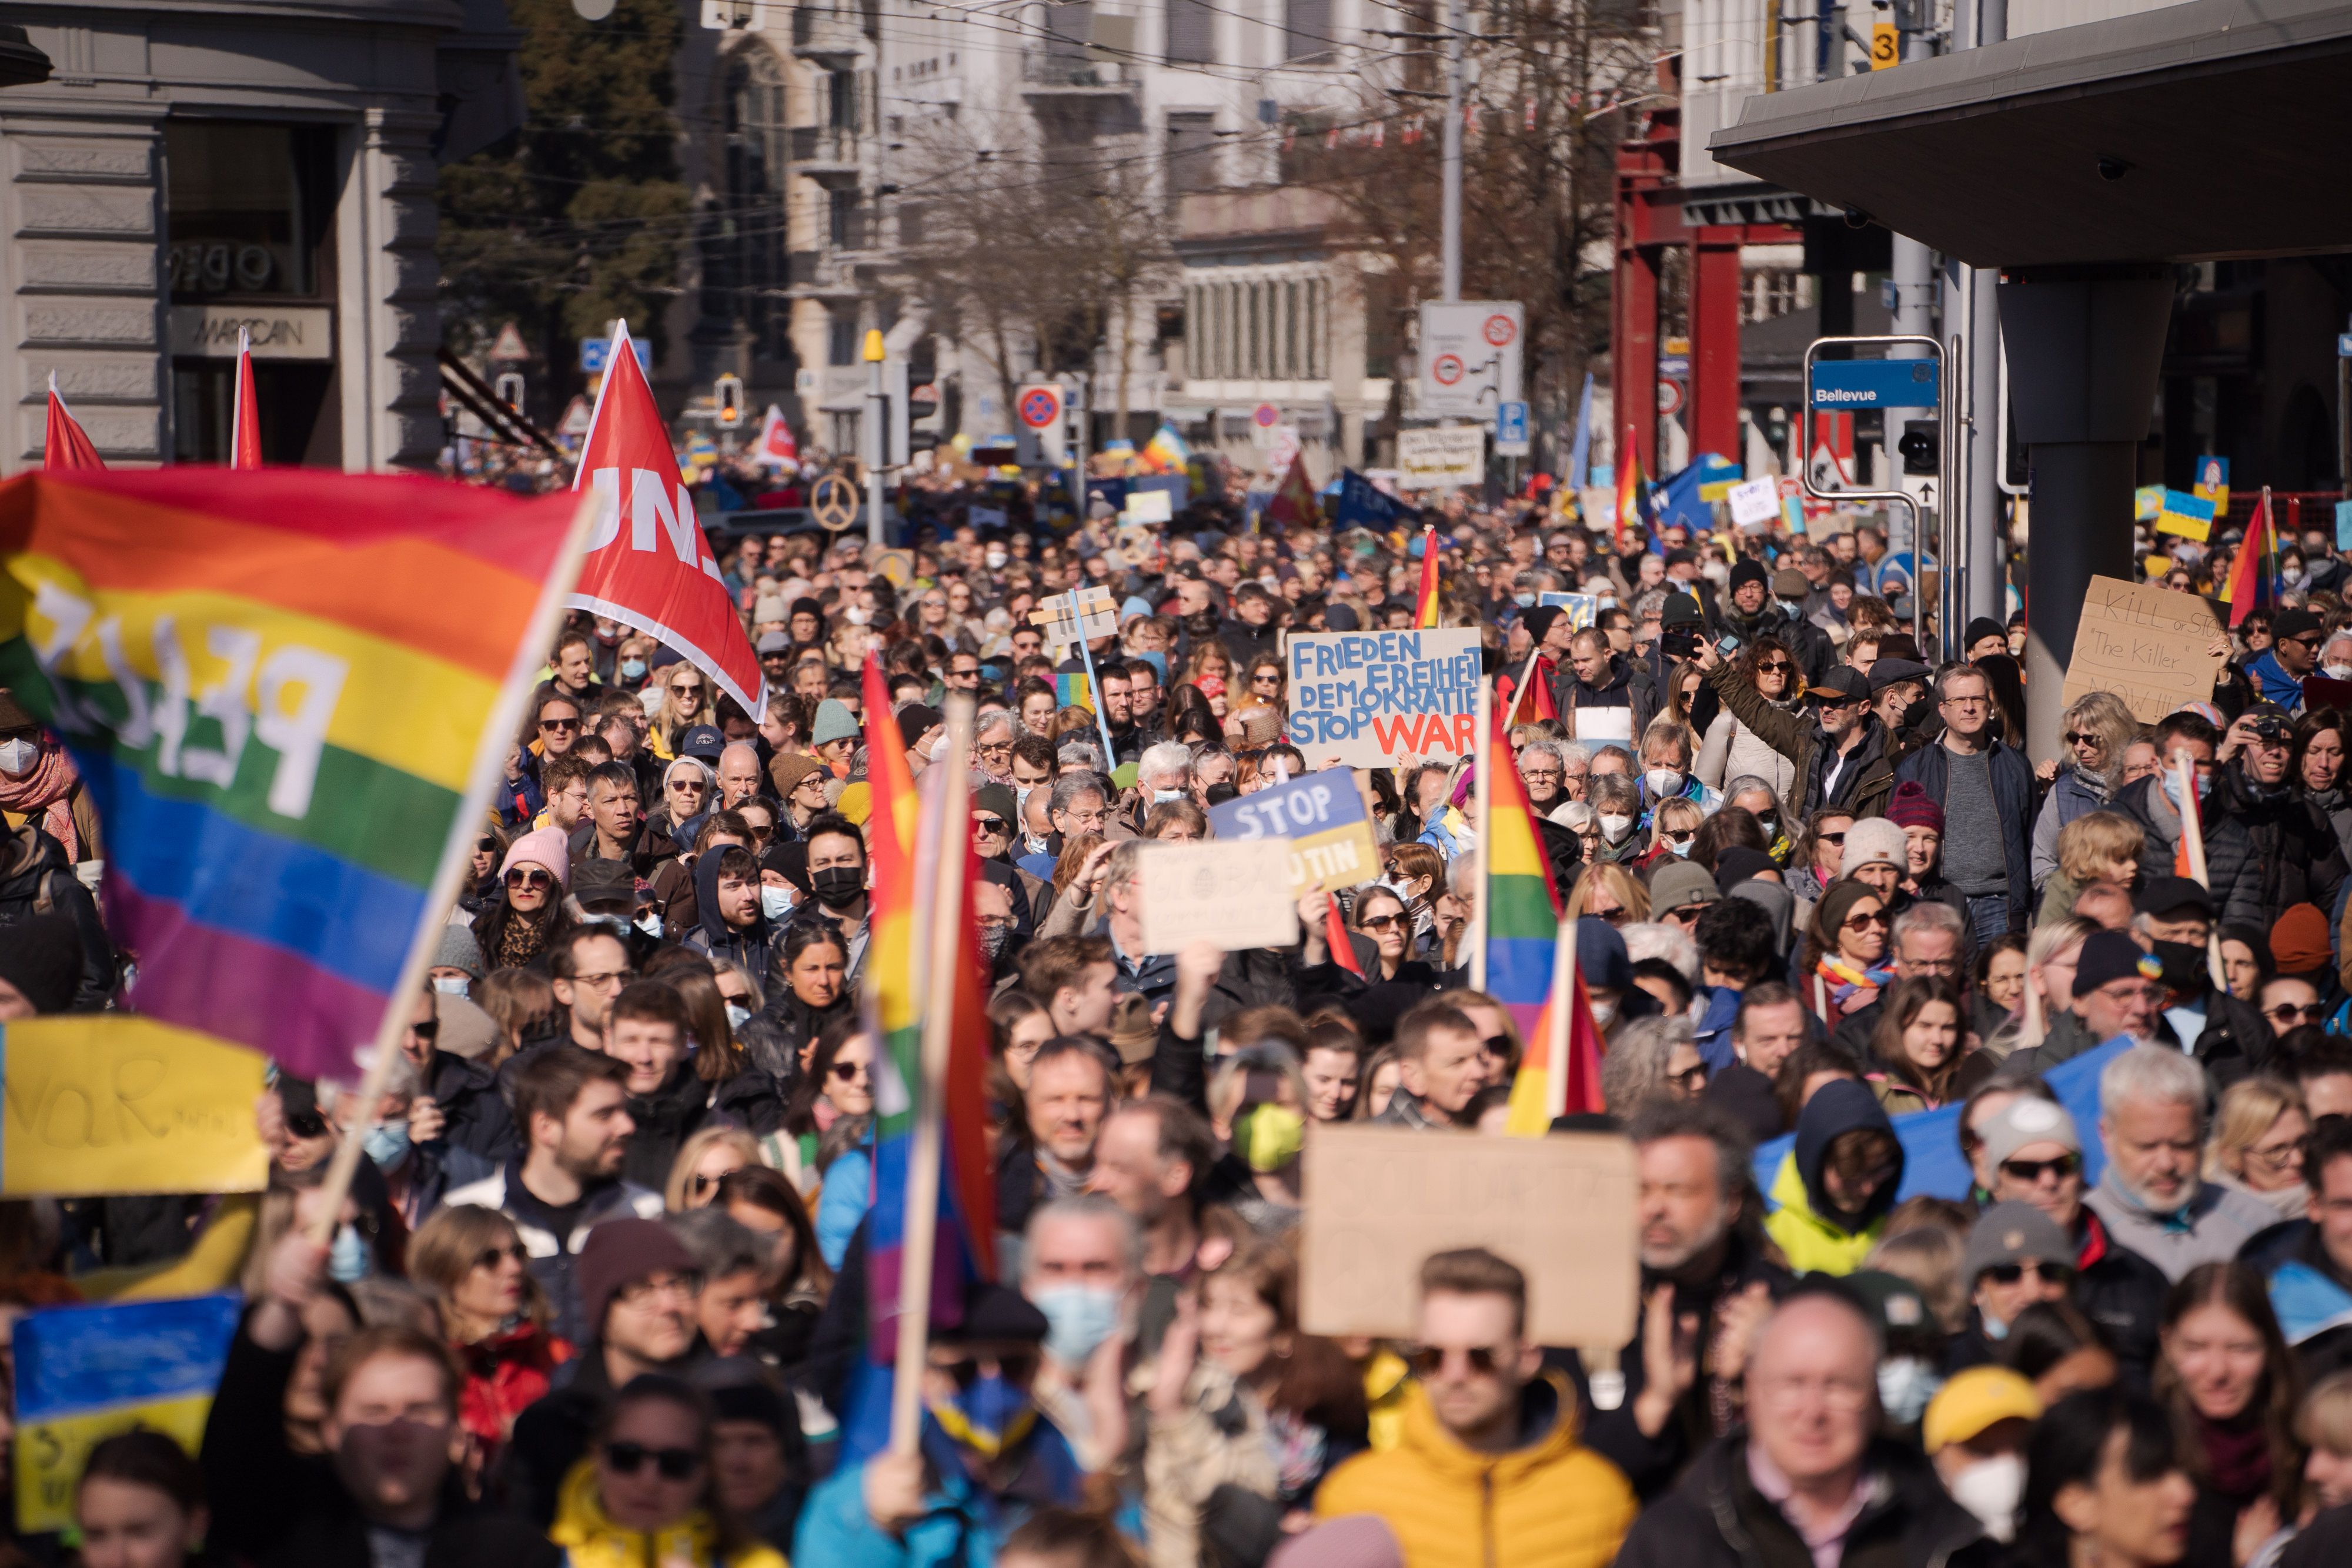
[1378,1201]
[2146,645]
[1234,894]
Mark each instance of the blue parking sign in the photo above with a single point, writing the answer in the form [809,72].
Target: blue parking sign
[595,351]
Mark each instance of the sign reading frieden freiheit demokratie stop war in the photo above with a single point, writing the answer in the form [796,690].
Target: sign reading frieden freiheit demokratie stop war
[1383,699]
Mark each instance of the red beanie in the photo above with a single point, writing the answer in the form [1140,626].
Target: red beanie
[2299,940]
[1915,808]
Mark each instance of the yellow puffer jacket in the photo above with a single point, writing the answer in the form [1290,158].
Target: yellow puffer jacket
[1386,1383]
[589,1540]
[1557,1503]
[1811,1243]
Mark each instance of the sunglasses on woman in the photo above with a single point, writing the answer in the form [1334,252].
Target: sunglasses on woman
[2010,1273]
[1863,922]
[675,1464]
[848,1071]
[1379,922]
[491,1256]
[529,877]
[691,688]
[703,1184]
[2285,1013]
[1777,667]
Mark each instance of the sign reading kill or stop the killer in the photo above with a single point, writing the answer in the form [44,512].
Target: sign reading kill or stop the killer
[2150,646]
[1383,699]
[1331,843]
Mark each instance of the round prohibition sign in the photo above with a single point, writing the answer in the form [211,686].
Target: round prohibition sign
[1038,408]
[834,503]
[1446,370]
[1500,331]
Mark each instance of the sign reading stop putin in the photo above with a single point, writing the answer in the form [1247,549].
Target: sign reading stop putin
[649,565]
[1472,351]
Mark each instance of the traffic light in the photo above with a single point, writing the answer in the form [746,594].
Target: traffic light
[1921,447]
[727,397]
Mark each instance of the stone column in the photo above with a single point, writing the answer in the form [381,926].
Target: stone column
[2084,349]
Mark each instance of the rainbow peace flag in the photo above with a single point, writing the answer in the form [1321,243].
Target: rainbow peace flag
[1166,452]
[1522,905]
[290,694]
[1425,613]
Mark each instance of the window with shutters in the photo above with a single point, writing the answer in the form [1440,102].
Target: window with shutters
[1307,29]
[1250,365]
[1192,33]
[1291,367]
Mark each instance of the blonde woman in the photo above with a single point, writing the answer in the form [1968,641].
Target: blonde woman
[1672,828]
[493,1313]
[2050,955]
[2256,1145]
[1609,892]
[709,1156]
[2097,729]
[685,702]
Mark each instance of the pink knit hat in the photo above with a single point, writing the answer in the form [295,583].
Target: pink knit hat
[544,848]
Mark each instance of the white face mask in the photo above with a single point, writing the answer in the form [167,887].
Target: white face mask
[1614,828]
[1664,783]
[1906,1384]
[737,1015]
[1991,1489]
[857,615]
[1605,1011]
[994,559]
[775,903]
[2336,672]
[450,985]
[18,755]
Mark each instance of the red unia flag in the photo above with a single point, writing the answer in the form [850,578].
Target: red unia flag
[776,444]
[245,415]
[649,565]
[65,445]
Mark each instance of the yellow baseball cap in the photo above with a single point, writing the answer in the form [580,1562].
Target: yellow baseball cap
[1972,1401]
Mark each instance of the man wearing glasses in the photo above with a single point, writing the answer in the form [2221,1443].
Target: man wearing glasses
[590,968]
[2035,1157]
[1489,1452]
[2293,653]
[1986,792]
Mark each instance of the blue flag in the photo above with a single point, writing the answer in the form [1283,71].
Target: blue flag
[1580,451]
[1363,505]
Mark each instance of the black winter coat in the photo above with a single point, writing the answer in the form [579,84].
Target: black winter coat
[1717,1519]
[35,878]
[2297,859]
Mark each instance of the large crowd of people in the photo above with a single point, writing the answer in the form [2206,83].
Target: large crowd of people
[600,1292]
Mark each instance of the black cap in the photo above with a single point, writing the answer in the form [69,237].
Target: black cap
[2289,624]
[2109,956]
[1886,673]
[1842,684]
[1982,627]
[1341,618]
[2167,895]
[703,742]
[1749,571]
[1538,621]
[916,717]
[1680,610]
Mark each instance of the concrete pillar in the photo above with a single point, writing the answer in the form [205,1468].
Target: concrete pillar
[2084,355]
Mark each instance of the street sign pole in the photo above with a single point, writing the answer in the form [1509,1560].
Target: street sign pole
[1873,400]
[873,437]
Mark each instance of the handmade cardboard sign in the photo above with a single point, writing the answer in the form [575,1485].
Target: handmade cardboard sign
[1380,1200]
[2148,645]
[1383,699]
[1232,892]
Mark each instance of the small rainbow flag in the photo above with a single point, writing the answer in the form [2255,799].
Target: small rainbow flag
[1522,905]
[1561,1074]
[2252,573]
[1166,452]
[1425,613]
[1633,495]
[290,694]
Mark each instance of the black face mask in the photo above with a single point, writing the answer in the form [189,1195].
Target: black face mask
[1202,624]
[1915,713]
[837,887]
[2186,972]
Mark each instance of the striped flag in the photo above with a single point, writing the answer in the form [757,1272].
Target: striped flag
[2253,572]
[1425,613]
[1561,1072]
[1522,905]
[910,834]
[290,695]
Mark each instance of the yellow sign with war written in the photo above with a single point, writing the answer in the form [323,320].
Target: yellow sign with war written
[113,1103]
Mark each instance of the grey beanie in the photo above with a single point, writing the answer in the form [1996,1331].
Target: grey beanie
[459,950]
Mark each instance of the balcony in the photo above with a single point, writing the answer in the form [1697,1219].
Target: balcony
[1058,73]
[826,155]
[828,38]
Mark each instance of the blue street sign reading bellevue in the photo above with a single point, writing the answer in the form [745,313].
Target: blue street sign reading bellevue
[594,350]
[1874,383]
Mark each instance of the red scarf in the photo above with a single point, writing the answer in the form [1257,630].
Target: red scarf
[48,789]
